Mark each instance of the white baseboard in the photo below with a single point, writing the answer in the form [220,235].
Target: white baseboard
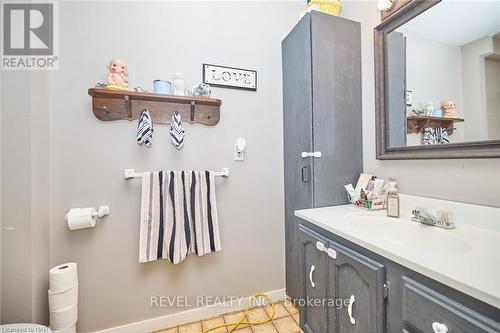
[184,317]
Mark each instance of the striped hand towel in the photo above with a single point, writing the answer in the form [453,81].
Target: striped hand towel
[145,129]
[435,136]
[178,215]
[177,130]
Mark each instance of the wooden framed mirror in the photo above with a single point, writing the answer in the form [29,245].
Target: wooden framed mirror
[437,80]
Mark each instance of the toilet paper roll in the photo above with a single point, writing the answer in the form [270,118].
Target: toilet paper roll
[81,218]
[62,320]
[62,300]
[63,277]
[72,329]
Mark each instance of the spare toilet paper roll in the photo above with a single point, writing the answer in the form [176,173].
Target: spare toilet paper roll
[62,300]
[81,218]
[63,277]
[61,320]
[72,329]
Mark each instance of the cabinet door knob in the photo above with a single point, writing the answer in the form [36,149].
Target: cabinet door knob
[311,276]
[349,309]
[439,328]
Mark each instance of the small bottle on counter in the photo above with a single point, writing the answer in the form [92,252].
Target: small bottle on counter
[392,200]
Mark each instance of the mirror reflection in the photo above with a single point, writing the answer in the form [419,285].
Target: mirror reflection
[443,70]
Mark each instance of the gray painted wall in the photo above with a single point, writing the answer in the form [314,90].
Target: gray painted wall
[16,201]
[87,156]
[492,77]
[25,197]
[473,74]
[40,194]
[434,73]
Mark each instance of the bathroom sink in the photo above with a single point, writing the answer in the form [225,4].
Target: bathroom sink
[464,258]
[403,232]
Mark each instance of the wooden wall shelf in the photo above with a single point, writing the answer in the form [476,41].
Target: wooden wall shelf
[109,105]
[417,124]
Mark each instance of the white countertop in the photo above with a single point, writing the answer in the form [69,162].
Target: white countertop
[466,258]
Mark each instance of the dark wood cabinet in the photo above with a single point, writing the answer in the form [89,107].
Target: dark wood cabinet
[322,115]
[425,310]
[360,281]
[346,288]
[314,279]
[342,291]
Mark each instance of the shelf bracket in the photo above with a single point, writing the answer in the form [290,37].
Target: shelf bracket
[128,106]
[193,105]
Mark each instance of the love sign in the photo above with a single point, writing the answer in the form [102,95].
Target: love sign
[230,77]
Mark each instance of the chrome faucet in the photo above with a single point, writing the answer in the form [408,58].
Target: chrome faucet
[443,221]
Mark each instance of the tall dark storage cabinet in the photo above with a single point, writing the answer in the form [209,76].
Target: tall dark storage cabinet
[322,113]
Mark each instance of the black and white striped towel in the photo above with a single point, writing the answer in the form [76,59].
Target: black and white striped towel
[178,215]
[145,129]
[177,130]
[435,136]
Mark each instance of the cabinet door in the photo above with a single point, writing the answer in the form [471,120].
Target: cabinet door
[314,279]
[337,131]
[396,74]
[359,283]
[297,119]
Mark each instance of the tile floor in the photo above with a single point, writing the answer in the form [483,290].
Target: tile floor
[286,320]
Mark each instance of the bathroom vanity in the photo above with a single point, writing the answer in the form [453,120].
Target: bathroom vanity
[364,272]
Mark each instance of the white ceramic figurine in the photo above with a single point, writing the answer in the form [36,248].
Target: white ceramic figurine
[449,109]
[118,73]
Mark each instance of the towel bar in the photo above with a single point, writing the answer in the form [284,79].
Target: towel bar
[130,173]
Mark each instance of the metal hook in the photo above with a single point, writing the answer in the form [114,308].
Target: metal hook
[128,106]
[193,104]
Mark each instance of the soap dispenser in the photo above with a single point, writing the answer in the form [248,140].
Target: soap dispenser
[392,200]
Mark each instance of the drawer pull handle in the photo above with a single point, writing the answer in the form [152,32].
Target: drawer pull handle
[332,253]
[311,276]
[306,154]
[306,174]
[439,328]
[349,309]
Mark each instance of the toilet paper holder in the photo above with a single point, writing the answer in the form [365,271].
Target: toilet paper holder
[100,212]
[78,213]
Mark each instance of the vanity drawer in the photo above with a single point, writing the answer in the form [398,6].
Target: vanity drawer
[425,310]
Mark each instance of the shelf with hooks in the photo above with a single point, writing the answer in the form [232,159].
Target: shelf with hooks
[417,124]
[109,105]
